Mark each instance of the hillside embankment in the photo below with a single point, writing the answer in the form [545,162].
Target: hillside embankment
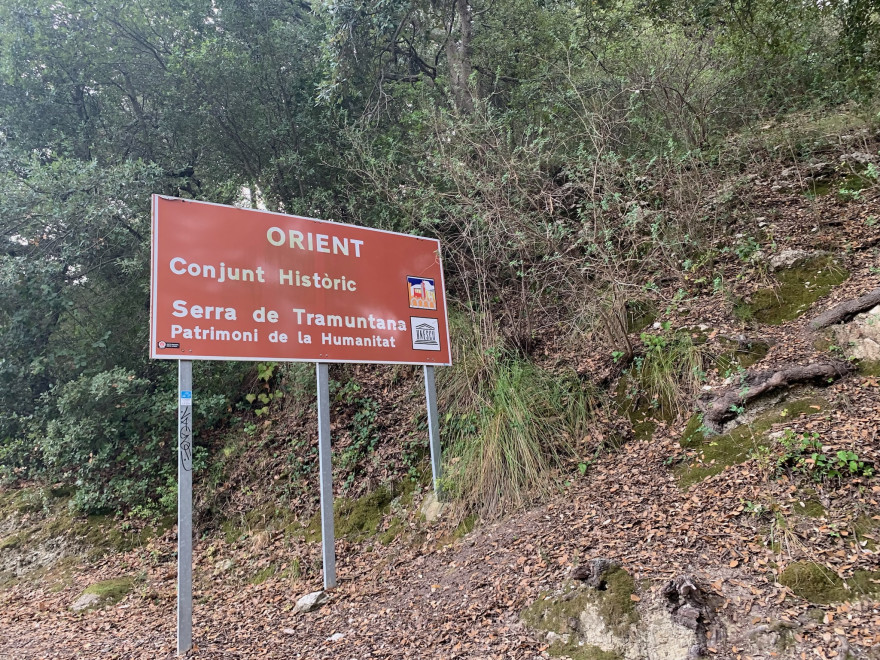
[740,522]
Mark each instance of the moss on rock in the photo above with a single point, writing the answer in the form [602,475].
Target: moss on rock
[867,525]
[612,601]
[362,518]
[106,593]
[576,651]
[617,608]
[811,508]
[818,584]
[720,451]
[799,287]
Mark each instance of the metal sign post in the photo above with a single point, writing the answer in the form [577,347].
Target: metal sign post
[328,533]
[184,506]
[433,428]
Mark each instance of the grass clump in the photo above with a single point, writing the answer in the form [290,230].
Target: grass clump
[508,424]
[818,584]
[668,374]
[510,437]
[868,367]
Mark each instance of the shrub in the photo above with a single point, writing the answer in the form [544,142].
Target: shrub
[112,439]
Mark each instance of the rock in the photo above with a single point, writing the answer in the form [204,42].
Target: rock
[85,601]
[787,258]
[432,508]
[311,602]
[288,631]
[859,157]
[553,637]
[860,338]
[592,571]
[335,637]
[227,565]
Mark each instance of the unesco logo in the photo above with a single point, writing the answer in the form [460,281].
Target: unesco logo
[425,334]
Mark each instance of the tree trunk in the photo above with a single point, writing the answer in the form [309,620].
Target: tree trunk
[458,55]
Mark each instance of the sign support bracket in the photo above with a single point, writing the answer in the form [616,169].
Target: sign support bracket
[184,506]
[328,533]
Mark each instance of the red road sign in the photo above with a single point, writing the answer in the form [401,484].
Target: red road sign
[240,284]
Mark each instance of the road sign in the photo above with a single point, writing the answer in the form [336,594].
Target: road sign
[242,284]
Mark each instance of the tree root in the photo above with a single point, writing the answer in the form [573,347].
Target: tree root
[725,406]
[846,310]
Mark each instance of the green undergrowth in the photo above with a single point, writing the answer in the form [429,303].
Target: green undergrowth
[713,453]
[818,584]
[846,185]
[612,601]
[362,518]
[799,287]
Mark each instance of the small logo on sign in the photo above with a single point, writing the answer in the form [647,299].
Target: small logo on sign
[422,294]
[425,334]
[168,344]
[186,397]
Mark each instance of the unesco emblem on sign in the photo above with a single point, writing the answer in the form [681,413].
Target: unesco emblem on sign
[425,334]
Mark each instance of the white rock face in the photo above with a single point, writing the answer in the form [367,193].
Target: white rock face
[664,638]
[654,637]
[860,338]
[311,602]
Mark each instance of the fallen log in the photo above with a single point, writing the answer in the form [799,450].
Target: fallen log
[729,402]
[846,310]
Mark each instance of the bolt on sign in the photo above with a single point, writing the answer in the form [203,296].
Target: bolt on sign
[242,284]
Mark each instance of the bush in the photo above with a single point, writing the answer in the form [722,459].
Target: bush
[112,439]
